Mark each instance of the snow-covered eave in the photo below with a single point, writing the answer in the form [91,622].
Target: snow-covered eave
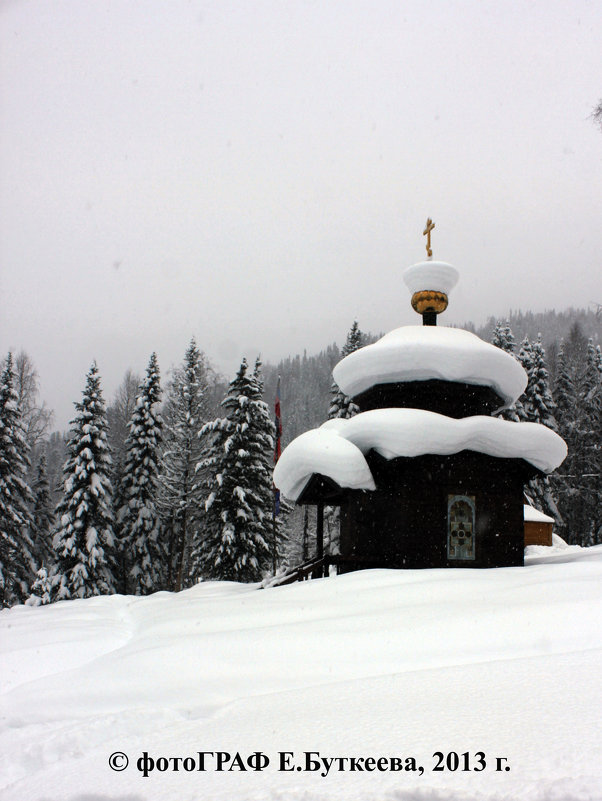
[338,448]
[325,452]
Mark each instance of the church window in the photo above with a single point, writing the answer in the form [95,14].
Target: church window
[460,527]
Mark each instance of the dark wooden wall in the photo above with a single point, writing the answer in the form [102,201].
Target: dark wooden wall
[404,522]
[451,398]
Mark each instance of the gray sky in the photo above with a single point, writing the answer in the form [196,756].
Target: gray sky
[258,174]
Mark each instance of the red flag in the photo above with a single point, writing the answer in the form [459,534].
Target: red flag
[278,421]
[278,447]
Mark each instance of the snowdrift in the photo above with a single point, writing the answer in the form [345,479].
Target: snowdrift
[371,664]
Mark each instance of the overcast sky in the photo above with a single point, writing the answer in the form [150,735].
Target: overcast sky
[258,174]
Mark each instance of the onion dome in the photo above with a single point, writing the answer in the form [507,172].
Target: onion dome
[430,283]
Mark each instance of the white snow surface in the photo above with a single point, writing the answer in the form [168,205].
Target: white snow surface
[408,432]
[533,515]
[438,276]
[424,352]
[375,663]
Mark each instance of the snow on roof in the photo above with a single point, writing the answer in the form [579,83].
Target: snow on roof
[533,515]
[325,452]
[423,352]
[438,276]
[407,432]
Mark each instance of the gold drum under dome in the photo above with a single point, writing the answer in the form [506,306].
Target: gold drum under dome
[428,300]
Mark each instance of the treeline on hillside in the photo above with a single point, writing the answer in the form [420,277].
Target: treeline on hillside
[571,404]
[305,389]
[553,326]
[307,384]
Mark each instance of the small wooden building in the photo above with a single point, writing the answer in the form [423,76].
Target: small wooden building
[538,527]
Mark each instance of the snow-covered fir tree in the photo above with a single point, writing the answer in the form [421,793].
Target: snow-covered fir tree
[119,414]
[564,391]
[142,549]
[536,405]
[504,338]
[56,456]
[280,516]
[341,405]
[84,541]
[43,588]
[570,391]
[185,413]
[525,357]
[590,439]
[237,526]
[43,517]
[567,478]
[592,377]
[17,567]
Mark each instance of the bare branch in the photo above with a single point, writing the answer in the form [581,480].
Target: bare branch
[36,417]
[596,115]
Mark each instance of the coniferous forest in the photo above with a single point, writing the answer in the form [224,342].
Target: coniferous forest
[170,481]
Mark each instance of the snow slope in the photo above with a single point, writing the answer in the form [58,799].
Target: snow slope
[376,663]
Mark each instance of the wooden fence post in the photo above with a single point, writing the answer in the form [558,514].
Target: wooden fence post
[320,530]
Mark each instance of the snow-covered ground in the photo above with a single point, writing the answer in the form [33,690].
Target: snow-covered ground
[379,663]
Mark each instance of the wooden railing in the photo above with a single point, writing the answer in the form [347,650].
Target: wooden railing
[314,568]
[319,567]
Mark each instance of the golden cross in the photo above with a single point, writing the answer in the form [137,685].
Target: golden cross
[427,232]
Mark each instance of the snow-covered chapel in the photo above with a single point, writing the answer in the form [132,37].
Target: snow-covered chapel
[424,476]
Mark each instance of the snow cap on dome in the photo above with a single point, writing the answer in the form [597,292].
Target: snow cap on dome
[421,353]
[438,276]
